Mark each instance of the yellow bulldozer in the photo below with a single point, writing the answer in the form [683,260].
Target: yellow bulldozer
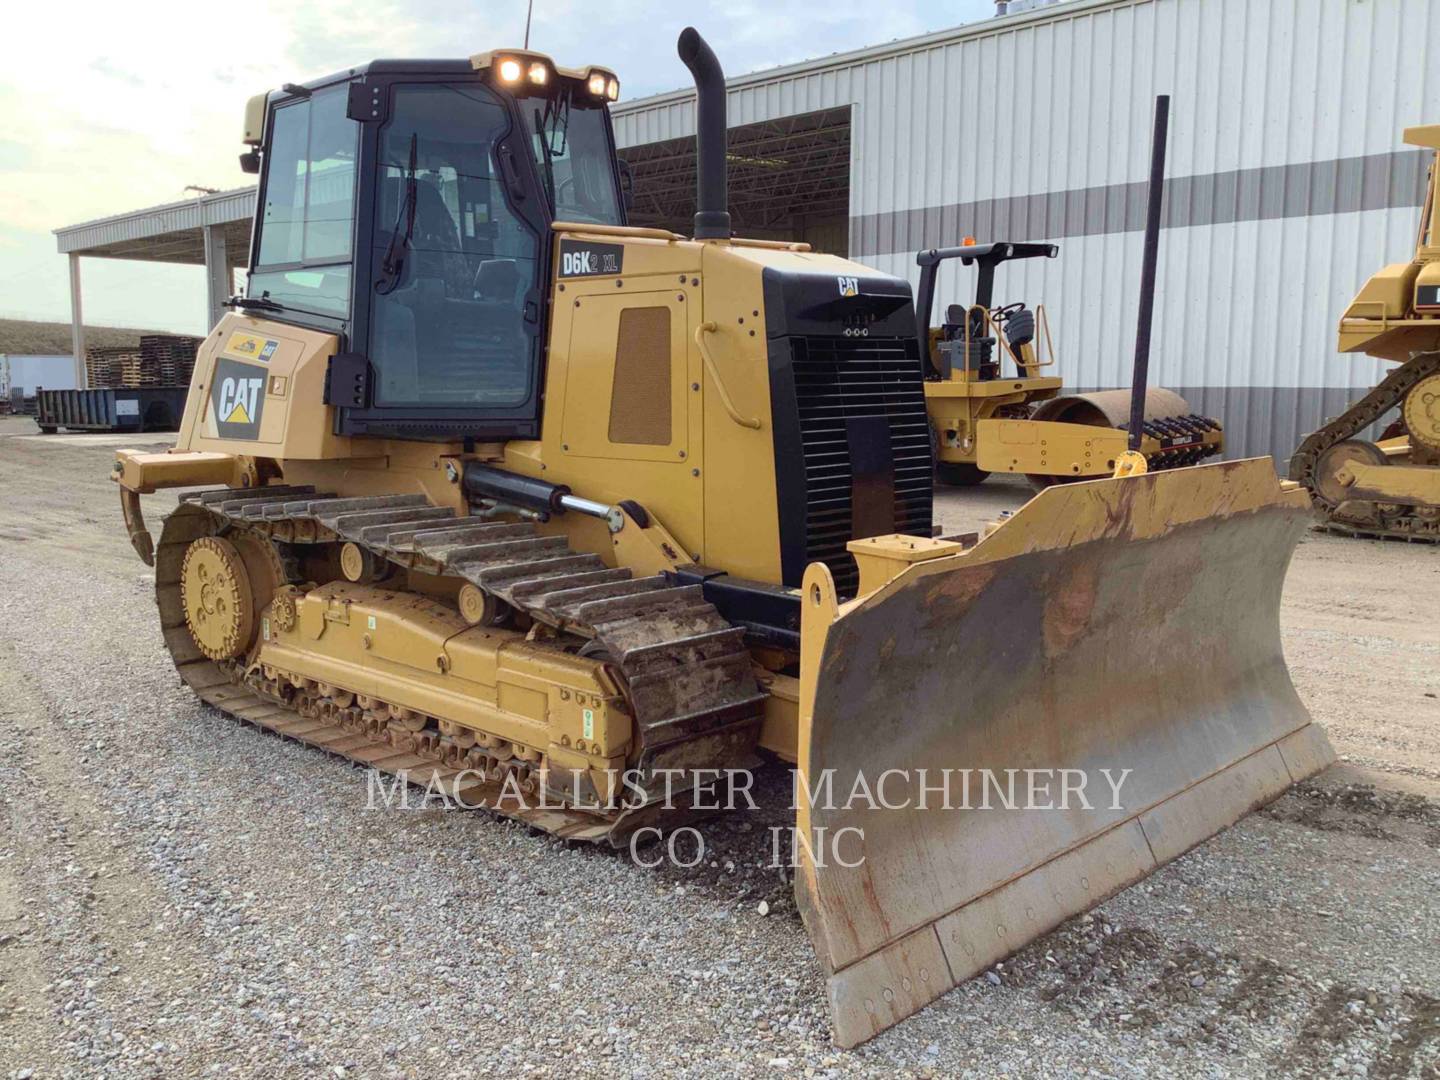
[984,419]
[1390,487]
[498,493]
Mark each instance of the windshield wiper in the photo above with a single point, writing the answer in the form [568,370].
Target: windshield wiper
[547,158]
[393,264]
[259,303]
[552,126]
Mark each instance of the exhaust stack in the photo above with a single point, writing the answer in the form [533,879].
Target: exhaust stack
[712,216]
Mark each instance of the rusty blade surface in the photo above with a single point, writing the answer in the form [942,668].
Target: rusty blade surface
[1125,624]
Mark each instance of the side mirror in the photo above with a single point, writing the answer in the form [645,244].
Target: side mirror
[627,184]
[250,161]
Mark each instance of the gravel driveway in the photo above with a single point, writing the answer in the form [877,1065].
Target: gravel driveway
[182,896]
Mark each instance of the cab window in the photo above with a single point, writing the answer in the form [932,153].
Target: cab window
[572,151]
[308,218]
[451,264]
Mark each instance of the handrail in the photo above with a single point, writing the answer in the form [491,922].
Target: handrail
[700,332]
[993,329]
[1042,336]
[638,231]
[775,245]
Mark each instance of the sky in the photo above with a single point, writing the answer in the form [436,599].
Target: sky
[114,107]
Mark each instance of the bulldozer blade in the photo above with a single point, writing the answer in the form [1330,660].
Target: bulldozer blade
[1117,624]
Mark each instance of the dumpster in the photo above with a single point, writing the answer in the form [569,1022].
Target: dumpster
[127,408]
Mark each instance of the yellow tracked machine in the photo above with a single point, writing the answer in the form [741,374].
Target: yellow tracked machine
[1391,487]
[501,494]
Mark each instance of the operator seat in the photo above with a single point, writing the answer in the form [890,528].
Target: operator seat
[975,356]
[435,244]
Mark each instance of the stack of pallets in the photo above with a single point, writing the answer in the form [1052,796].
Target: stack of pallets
[171,355]
[105,366]
[159,360]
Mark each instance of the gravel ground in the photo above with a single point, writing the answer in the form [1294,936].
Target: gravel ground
[181,896]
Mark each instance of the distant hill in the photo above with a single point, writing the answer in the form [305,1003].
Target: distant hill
[23,337]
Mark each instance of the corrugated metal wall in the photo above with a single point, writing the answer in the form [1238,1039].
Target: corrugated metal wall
[1290,184]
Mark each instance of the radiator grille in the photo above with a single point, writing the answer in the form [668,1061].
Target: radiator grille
[841,378]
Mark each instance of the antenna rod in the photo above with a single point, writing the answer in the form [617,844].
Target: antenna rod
[529,10]
[1147,271]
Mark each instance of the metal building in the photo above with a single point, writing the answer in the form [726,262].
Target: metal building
[1289,183]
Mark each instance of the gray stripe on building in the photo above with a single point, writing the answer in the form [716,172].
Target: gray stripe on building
[1337,186]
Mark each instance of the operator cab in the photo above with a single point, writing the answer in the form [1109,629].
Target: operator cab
[973,339]
[407,207]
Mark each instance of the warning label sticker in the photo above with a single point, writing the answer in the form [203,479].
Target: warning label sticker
[251,346]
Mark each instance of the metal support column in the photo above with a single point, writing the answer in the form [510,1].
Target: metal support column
[218,280]
[77,323]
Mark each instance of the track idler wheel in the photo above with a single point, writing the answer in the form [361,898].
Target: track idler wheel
[1328,487]
[1421,412]
[218,600]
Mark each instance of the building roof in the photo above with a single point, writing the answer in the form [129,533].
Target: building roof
[870,53]
[170,233]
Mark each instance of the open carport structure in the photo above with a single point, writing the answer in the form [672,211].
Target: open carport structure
[789,176]
[212,230]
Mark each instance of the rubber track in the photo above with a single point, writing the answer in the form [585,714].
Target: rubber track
[1386,395]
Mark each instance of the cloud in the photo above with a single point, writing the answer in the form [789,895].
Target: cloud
[152,93]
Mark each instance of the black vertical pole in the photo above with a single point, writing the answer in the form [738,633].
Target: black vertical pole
[1147,271]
